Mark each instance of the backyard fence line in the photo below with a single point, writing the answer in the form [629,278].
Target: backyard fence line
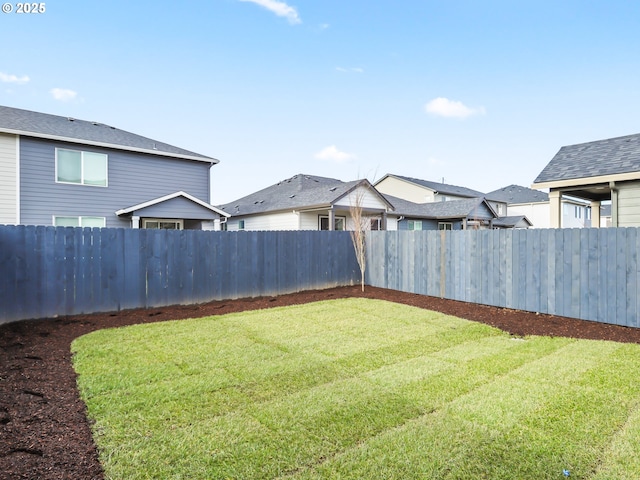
[52,271]
[590,274]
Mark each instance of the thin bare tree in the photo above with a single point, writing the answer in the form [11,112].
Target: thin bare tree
[361,224]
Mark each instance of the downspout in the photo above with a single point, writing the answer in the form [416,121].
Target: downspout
[614,204]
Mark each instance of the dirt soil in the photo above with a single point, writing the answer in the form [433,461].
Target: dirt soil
[44,432]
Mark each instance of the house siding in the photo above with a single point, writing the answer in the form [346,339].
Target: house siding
[133,178]
[8,179]
[405,190]
[364,196]
[537,213]
[178,207]
[629,205]
[274,221]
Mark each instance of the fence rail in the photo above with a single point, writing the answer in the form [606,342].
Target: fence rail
[591,274]
[49,271]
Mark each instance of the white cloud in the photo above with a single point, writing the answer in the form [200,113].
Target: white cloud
[352,69]
[443,107]
[7,78]
[332,154]
[63,94]
[281,9]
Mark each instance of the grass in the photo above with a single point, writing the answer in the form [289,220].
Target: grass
[357,389]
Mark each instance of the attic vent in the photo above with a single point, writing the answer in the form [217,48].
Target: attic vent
[257,202]
[95,123]
[71,119]
[333,189]
[291,196]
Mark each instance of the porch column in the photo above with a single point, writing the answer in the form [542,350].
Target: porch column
[135,221]
[595,214]
[383,225]
[614,204]
[555,203]
[331,219]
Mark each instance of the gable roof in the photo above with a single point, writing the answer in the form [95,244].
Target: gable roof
[43,125]
[440,210]
[166,198]
[515,194]
[298,192]
[512,221]
[612,156]
[442,188]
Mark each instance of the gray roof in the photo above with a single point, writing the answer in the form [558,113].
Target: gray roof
[442,188]
[604,157]
[44,125]
[511,221]
[437,210]
[298,192]
[515,194]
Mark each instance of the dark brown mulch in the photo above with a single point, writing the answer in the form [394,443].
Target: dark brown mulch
[44,433]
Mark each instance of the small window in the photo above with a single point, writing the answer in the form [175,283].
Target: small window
[414,224]
[162,224]
[376,224]
[240,224]
[82,168]
[338,223]
[445,226]
[81,221]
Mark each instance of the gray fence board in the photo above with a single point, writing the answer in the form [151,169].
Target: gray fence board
[49,271]
[592,274]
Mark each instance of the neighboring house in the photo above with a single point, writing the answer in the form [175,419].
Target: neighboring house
[63,171]
[424,191]
[469,213]
[534,204]
[307,202]
[604,170]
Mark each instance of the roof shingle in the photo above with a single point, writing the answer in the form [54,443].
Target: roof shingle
[603,157]
[44,125]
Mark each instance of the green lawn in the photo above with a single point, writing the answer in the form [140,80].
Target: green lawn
[357,389]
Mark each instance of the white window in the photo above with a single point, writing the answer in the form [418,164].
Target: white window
[82,168]
[500,209]
[82,221]
[445,226]
[414,224]
[338,223]
[162,224]
[578,211]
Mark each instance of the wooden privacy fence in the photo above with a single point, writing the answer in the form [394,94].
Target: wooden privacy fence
[48,271]
[591,274]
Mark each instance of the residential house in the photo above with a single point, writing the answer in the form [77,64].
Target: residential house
[68,172]
[307,202]
[468,213]
[596,172]
[534,204]
[423,204]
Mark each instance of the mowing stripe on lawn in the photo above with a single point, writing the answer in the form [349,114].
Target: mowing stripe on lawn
[354,388]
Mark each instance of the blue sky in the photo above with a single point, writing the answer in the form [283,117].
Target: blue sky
[482,94]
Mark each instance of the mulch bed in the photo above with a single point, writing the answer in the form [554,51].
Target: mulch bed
[44,432]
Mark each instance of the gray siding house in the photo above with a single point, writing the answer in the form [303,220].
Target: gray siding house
[469,213]
[67,172]
[596,172]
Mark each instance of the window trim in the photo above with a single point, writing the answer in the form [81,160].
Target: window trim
[445,226]
[179,222]
[79,217]
[411,225]
[336,218]
[82,182]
